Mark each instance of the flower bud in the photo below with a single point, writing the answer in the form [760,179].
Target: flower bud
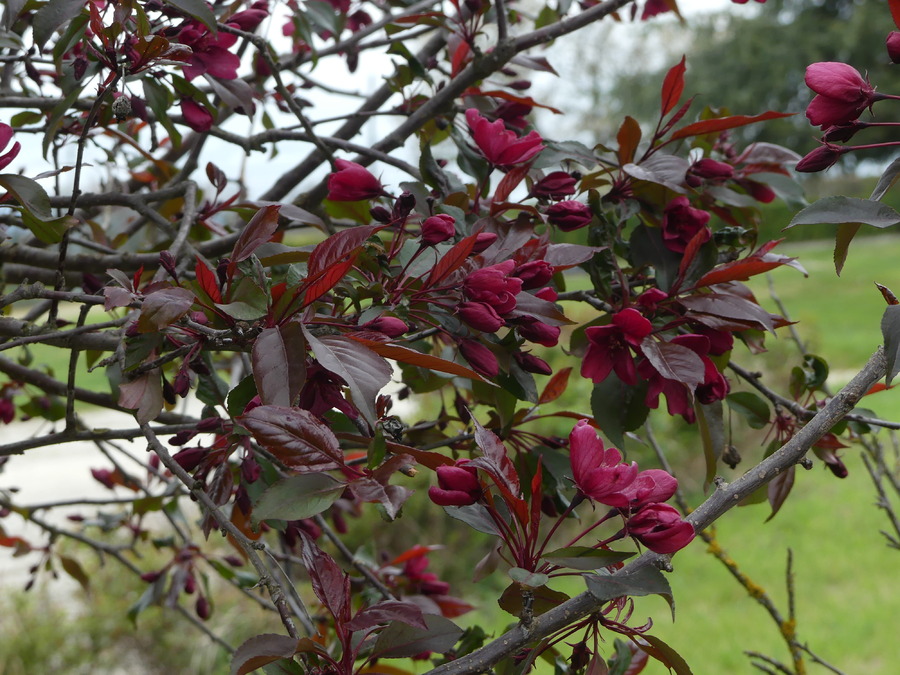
[196,116]
[537,331]
[534,274]
[480,316]
[352,182]
[555,185]
[480,358]
[823,157]
[457,486]
[389,325]
[404,204]
[710,169]
[202,607]
[893,46]
[532,364]
[381,214]
[569,215]
[190,458]
[437,229]
[483,241]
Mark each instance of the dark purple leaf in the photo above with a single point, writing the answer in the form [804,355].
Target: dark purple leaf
[729,306]
[662,169]
[674,362]
[257,232]
[261,650]
[544,599]
[494,459]
[779,488]
[279,364]
[890,330]
[542,310]
[391,497]
[400,640]
[385,612]
[338,247]
[143,395]
[328,580]
[563,256]
[163,308]
[295,436]
[363,370]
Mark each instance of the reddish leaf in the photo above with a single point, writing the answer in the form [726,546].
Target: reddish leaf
[295,436]
[414,358]
[895,11]
[364,371]
[494,459]
[163,308]
[385,612]
[506,96]
[338,247]
[673,86]
[326,280]
[877,387]
[887,294]
[509,182]
[279,364]
[674,362]
[117,297]
[556,386]
[416,551]
[430,459]
[143,395]
[460,58]
[628,138]
[759,262]
[261,650]
[257,232]
[328,581]
[534,63]
[451,260]
[722,123]
[207,280]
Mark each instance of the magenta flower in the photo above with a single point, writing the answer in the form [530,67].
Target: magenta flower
[681,223]
[711,169]
[480,316]
[569,215]
[494,286]
[208,54]
[249,19]
[499,146]
[660,528]
[457,485]
[352,182]
[480,358]
[8,410]
[609,347]
[196,116]
[823,157]
[598,472]
[6,134]
[842,93]
[648,487]
[437,229]
[554,185]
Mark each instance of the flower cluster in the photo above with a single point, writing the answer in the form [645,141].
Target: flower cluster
[600,475]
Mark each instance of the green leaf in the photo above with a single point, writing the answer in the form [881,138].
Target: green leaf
[198,9]
[888,178]
[712,432]
[525,578]
[54,122]
[585,557]
[153,595]
[28,193]
[49,231]
[618,408]
[74,569]
[840,209]
[297,497]
[890,329]
[643,581]
[845,234]
[750,406]
[51,16]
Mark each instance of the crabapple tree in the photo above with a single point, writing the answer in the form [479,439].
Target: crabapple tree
[214,252]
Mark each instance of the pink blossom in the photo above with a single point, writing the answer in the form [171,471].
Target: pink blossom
[660,528]
[534,274]
[196,116]
[892,42]
[208,54]
[249,19]
[609,347]
[842,93]
[598,472]
[652,485]
[681,223]
[499,146]
[352,182]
